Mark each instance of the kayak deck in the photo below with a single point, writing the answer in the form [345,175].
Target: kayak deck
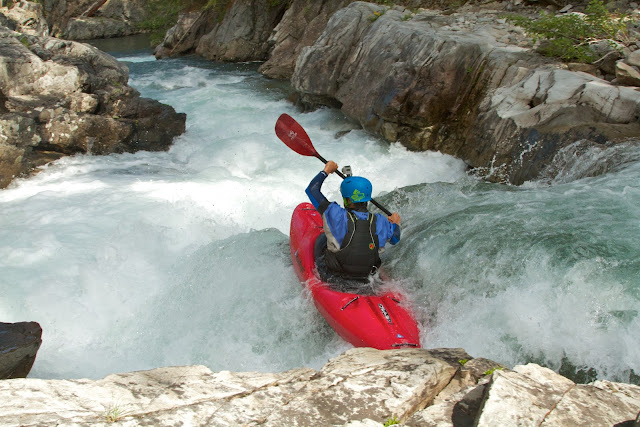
[380,321]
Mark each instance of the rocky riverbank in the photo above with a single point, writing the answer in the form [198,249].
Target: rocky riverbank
[461,81]
[91,19]
[362,387]
[60,97]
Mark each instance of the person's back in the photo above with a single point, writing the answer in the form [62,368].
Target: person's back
[354,236]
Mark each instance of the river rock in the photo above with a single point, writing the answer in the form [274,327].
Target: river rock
[244,31]
[115,18]
[550,399]
[62,97]
[301,25]
[634,58]
[362,387]
[83,28]
[627,74]
[183,38]
[27,18]
[463,84]
[19,344]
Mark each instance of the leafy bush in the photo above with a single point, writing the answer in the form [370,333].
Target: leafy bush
[219,6]
[570,36]
[163,15]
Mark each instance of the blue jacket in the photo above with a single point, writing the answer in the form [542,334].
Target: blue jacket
[335,219]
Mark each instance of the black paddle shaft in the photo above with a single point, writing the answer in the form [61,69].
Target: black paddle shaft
[341,175]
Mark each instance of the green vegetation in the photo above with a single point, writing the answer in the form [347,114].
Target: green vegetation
[164,15]
[114,413]
[383,2]
[25,42]
[457,4]
[463,361]
[491,371]
[570,36]
[391,421]
[375,16]
[220,7]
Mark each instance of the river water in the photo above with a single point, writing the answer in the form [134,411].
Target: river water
[135,261]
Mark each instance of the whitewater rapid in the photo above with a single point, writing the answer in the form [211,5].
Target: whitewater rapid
[134,261]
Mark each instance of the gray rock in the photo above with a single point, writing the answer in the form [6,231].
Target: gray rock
[634,58]
[244,32]
[28,18]
[61,97]
[607,63]
[501,108]
[362,387]
[83,28]
[19,344]
[114,19]
[627,74]
[301,25]
[362,384]
[533,396]
[183,37]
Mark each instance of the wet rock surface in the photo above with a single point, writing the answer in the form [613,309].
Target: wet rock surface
[19,344]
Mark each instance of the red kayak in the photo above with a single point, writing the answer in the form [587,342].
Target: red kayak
[380,321]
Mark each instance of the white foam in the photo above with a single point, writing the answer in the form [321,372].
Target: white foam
[131,261]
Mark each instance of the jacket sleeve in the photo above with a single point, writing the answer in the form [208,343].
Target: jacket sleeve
[315,195]
[395,237]
[387,231]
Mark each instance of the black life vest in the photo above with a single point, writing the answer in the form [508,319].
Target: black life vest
[358,255]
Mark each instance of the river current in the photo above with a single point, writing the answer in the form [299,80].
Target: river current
[136,261]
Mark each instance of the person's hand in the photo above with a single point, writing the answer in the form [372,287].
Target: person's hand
[394,218]
[330,167]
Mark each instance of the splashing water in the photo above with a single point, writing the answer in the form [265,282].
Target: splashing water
[134,261]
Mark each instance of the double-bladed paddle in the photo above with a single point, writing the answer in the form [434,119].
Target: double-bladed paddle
[294,136]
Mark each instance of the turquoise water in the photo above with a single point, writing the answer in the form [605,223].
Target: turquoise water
[135,261]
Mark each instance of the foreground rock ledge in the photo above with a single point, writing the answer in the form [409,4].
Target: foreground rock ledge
[363,386]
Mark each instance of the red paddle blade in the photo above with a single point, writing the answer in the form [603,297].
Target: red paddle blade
[293,135]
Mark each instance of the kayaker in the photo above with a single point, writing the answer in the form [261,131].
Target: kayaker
[354,237]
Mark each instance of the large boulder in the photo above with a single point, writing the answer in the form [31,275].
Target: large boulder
[26,17]
[466,84]
[115,18]
[19,344]
[362,387]
[531,395]
[183,38]
[301,25]
[243,33]
[61,97]
[87,28]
